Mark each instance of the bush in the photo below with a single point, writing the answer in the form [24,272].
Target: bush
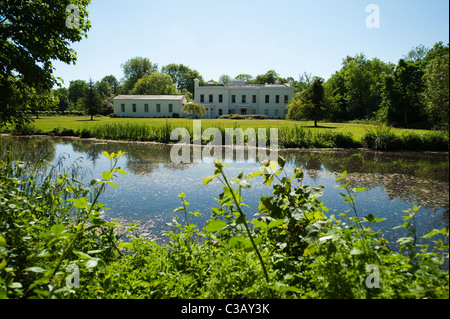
[382,138]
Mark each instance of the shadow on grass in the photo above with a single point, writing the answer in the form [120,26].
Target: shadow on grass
[321,127]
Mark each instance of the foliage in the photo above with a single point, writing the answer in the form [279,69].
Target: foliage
[384,139]
[154,84]
[33,35]
[290,249]
[194,109]
[309,103]
[134,69]
[52,225]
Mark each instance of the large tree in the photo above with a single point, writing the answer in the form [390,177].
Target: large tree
[403,94]
[92,101]
[155,84]
[309,104]
[33,34]
[134,69]
[437,86]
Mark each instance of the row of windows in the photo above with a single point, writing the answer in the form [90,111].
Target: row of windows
[243,98]
[244,111]
[146,108]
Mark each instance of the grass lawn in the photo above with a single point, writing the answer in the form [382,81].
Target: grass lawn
[47,124]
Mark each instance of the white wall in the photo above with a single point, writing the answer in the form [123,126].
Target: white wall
[260,107]
[177,106]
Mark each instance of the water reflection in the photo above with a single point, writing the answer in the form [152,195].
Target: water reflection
[148,194]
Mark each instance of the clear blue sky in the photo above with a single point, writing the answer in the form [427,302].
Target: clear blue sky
[248,36]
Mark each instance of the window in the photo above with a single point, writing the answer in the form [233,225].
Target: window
[276,112]
[254,111]
[158,108]
[134,108]
[254,99]
[146,108]
[233,99]
[266,111]
[286,99]
[267,99]
[202,98]
[277,99]
[211,98]
[220,112]
[220,98]
[244,98]
[122,107]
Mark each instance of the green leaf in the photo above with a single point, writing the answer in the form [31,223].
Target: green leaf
[358,190]
[2,242]
[281,287]
[257,174]
[259,224]
[433,233]
[91,263]
[107,175]
[57,229]
[215,225]
[79,202]
[112,185]
[372,219]
[105,153]
[36,269]
[240,243]
[209,179]
[355,252]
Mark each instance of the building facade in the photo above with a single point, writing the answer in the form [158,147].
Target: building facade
[149,105]
[244,99]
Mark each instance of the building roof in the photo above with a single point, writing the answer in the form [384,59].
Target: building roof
[151,97]
[287,85]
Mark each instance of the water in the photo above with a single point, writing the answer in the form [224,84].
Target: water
[149,192]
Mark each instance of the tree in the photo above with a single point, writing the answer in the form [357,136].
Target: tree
[115,85]
[62,94]
[43,102]
[195,109]
[437,87]
[176,72]
[309,104]
[244,77]
[402,94]
[225,79]
[77,93]
[155,84]
[134,69]
[358,87]
[33,34]
[270,77]
[92,101]
[187,82]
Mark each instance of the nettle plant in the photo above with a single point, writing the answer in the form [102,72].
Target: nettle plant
[286,222]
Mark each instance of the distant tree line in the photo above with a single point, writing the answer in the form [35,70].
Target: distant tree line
[413,93]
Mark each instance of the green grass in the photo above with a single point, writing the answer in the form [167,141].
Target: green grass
[48,124]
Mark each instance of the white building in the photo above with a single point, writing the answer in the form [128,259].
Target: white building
[149,105]
[244,99]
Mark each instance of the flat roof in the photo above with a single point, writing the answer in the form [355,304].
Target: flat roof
[150,97]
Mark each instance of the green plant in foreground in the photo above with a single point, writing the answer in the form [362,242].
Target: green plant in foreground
[53,231]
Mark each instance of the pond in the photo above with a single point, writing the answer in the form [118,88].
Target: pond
[149,192]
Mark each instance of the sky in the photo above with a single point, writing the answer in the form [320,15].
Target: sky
[248,36]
